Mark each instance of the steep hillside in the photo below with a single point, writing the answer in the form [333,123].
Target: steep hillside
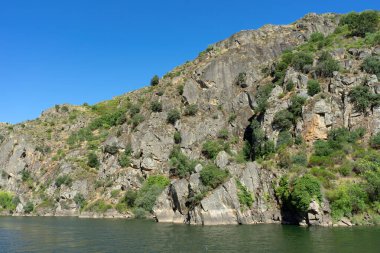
[278,124]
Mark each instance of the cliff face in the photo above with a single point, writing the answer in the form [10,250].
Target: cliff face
[81,160]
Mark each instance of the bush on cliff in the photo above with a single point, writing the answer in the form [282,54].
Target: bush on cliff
[212,176]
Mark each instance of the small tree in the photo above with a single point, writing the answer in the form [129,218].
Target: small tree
[177,137]
[313,87]
[361,23]
[191,110]
[371,65]
[155,80]
[283,120]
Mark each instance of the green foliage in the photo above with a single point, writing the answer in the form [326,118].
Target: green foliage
[155,80]
[232,117]
[361,23]
[25,175]
[125,157]
[296,106]
[92,160]
[136,120]
[289,86]
[63,180]
[211,148]
[326,65]
[299,194]
[211,176]
[180,89]
[315,37]
[129,198]
[108,120]
[191,110]
[177,137]
[29,207]
[156,106]
[173,116]
[313,87]
[346,200]
[242,79]
[134,109]
[257,145]
[182,165]
[223,134]
[262,96]
[375,141]
[302,61]
[245,197]
[373,39]
[6,201]
[111,149]
[299,159]
[99,206]
[285,138]
[148,193]
[363,98]
[283,120]
[80,200]
[304,190]
[371,65]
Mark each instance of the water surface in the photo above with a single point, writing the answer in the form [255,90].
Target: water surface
[53,234]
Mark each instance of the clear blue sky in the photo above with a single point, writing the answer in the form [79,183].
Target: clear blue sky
[75,51]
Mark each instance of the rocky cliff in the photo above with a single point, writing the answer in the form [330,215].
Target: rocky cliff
[210,141]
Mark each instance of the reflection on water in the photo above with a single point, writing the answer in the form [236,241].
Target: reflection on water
[43,234]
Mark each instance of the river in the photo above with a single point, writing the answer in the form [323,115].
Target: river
[62,234]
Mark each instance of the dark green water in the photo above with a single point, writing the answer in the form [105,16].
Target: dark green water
[41,234]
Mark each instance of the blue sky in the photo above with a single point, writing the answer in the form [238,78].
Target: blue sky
[76,51]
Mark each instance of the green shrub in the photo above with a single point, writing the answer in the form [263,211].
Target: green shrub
[6,201]
[155,80]
[134,109]
[125,158]
[211,176]
[242,79]
[284,159]
[29,207]
[191,110]
[232,117]
[180,89]
[92,160]
[296,106]
[262,95]
[283,120]
[289,86]
[136,120]
[326,65]
[323,175]
[361,23]
[210,148]
[223,134]
[80,200]
[305,189]
[63,180]
[177,137]
[373,39]
[285,138]
[362,98]
[372,186]
[148,193]
[300,159]
[182,165]
[111,149]
[313,87]
[375,141]
[244,196]
[346,200]
[129,198]
[25,175]
[371,65]
[173,116]
[315,37]
[302,61]
[99,206]
[257,145]
[156,106]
